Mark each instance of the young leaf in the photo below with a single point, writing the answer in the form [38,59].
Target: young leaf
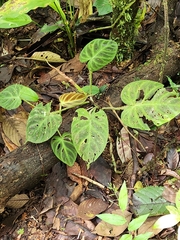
[126,237]
[10,97]
[94,89]
[42,124]
[123,197]
[98,53]
[166,221]
[72,99]
[63,148]
[103,6]
[137,222]
[173,210]
[27,94]
[159,109]
[144,236]
[90,133]
[113,219]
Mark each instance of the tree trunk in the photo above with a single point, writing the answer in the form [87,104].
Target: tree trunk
[23,169]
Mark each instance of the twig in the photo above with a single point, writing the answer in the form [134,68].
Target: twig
[90,180]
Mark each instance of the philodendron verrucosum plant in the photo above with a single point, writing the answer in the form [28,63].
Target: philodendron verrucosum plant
[89,128]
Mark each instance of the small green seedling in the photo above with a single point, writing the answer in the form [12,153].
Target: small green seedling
[118,220]
[98,53]
[171,219]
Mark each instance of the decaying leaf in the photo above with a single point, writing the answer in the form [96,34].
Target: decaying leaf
[123,146]
[72,99]
[47,56]
[15,128]
[148,226]
[89,208]
[8,143]
[18,201]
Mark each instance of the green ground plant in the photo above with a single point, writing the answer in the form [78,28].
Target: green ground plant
[89,128]
[14,15]
[118,220]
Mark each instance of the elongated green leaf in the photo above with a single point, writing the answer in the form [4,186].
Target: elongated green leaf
[89,133]
[137,222]
[98,53]
[148,99]
[19,7]
[166,221]
[42,124]
[149,200]
[10,97]
[113,219]
[123,197]
[63,148]
[144,236]
[126,237]
[9,21]
[27,94]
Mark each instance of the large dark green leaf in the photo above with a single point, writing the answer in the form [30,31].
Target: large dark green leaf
[98,53]
[90,133]
[150,100]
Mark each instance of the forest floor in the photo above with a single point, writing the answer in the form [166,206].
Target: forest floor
[65,203]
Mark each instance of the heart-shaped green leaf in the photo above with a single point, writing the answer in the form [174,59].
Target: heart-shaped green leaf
[9,97]
[148,99]
[9,21]
[12,96]
[63,148]
[42,124]
[89,133]
[98,53]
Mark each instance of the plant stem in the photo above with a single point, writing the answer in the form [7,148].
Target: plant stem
[57,7]
[67,79]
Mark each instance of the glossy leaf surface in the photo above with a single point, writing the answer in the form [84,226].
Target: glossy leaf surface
[63,148]
[98,53]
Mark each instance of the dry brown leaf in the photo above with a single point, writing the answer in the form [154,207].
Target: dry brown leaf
[47,56]
[109,230]
[89,208]
[10,146]
[18,201]
[15,129]
[148,226]
[73,65]
[123,146]
[74,169]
